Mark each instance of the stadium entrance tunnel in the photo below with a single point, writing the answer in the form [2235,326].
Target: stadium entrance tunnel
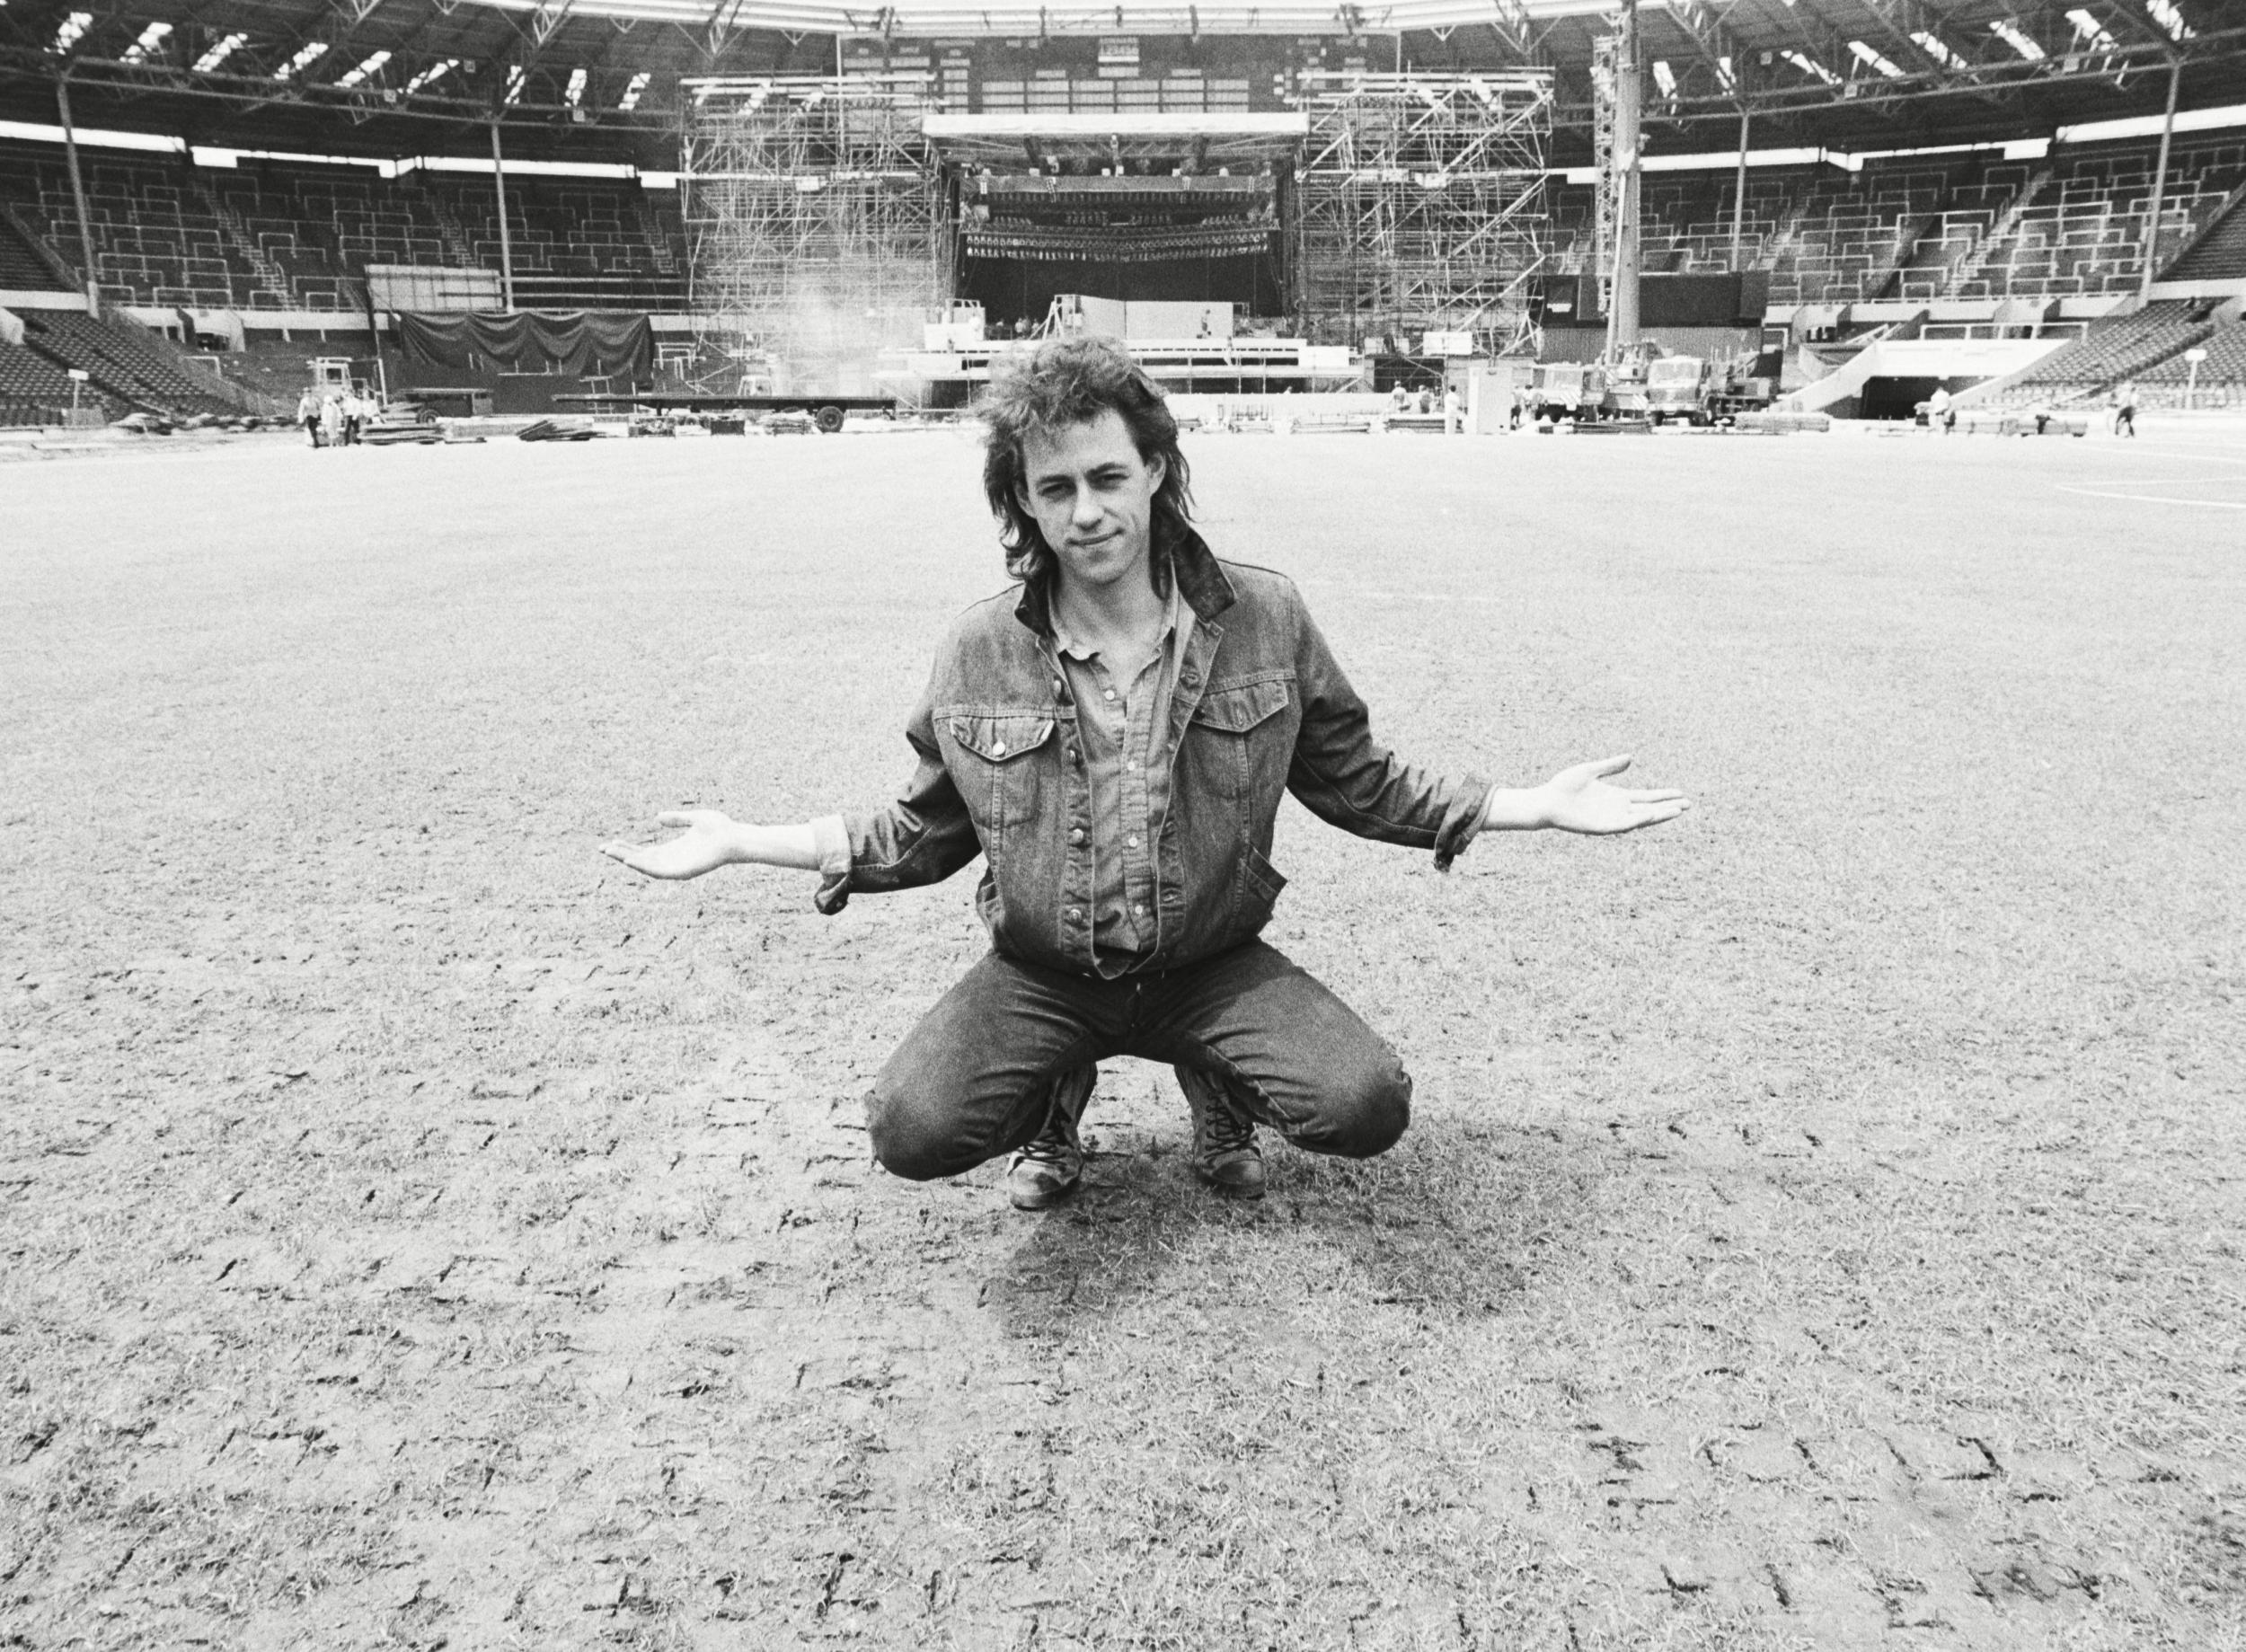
[1898,398]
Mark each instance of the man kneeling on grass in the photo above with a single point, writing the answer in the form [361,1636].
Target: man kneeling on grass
[1113,734]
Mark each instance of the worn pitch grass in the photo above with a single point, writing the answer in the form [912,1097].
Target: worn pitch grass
[1820,1225]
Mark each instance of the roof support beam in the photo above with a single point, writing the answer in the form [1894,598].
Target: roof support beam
[1700,25]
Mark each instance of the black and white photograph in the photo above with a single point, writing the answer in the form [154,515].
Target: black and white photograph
[1200,828]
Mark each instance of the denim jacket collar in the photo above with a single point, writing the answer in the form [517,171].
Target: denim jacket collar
[1206,589]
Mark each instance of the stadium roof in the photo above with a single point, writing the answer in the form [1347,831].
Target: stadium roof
[601,79]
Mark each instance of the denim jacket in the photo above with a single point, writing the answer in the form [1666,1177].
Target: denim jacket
[1260,707]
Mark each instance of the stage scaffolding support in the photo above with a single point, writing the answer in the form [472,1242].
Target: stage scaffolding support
[818,228]
[1419,207]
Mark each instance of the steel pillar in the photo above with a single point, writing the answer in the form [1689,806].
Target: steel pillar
[2160,185]
[507,240]
[77,193]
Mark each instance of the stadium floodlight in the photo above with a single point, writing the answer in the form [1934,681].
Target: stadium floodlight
[575,92]
[434,73]
[515,76]
[1810,66]
[2017,39]
[372,66]
[631,98]
[1866,55]
[1665,77]
[313,51]
[2170,16]
[150,38]
[1725,75]
[73,28]
[1934,47]
[218,54]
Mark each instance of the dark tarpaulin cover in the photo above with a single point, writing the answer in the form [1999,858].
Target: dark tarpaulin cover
[585,342]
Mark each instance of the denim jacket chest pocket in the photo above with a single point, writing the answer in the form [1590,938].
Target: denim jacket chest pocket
[1001,763]
[1241,737]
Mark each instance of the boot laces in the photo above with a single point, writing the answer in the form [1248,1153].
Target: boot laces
[1225,1125]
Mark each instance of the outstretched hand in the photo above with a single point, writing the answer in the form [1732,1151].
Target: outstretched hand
[707,844]
[1579,799]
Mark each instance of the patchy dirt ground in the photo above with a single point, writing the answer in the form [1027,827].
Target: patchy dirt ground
[1821,1224]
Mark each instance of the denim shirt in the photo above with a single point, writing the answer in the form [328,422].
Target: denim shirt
[1259,709]
[1126,730]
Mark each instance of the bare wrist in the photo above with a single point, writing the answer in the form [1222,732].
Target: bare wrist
[1517,808]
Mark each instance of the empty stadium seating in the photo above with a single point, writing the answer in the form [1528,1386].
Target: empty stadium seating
[156,242]
[1923,228]
[576,243]
[21,268]
[2221,379]
[34,391]
[2221,254]
[278,235]
[2119,347]
[2083,230]
[124,363]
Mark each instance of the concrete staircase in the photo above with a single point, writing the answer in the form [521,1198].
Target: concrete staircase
[1969,267]
[270,277]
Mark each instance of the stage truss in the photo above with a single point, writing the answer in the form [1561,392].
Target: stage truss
[817,224]
[1419,206]
[825,232]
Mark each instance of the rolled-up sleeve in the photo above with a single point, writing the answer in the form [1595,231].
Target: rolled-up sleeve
[923,838]
[1346,777]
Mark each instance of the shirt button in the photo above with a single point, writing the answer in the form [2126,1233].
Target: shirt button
[1140,909]
[1132,840]
[1107,693]
[1077,835]
[998,748]
[1076,914]
[1072,756]
[1130,763]
[1057,686]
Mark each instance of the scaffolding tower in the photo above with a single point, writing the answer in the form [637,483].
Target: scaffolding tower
[817,228]
[1419,206]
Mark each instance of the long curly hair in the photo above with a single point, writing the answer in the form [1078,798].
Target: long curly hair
[1070,382]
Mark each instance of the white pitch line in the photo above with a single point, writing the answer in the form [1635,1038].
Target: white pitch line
[2155,498]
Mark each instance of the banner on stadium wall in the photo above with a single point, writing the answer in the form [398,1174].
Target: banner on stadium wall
[585,343]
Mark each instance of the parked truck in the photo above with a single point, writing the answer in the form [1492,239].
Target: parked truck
[1702,391]
[1567,390]
[1587,392]
[1561,390]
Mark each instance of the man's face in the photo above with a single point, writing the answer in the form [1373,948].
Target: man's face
[1092,497]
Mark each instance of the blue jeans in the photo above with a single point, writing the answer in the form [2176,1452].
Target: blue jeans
[973,1080]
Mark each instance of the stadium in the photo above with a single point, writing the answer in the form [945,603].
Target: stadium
[1817,1224]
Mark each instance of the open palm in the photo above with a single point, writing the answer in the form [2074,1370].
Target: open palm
[706,844]
[1580,800]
